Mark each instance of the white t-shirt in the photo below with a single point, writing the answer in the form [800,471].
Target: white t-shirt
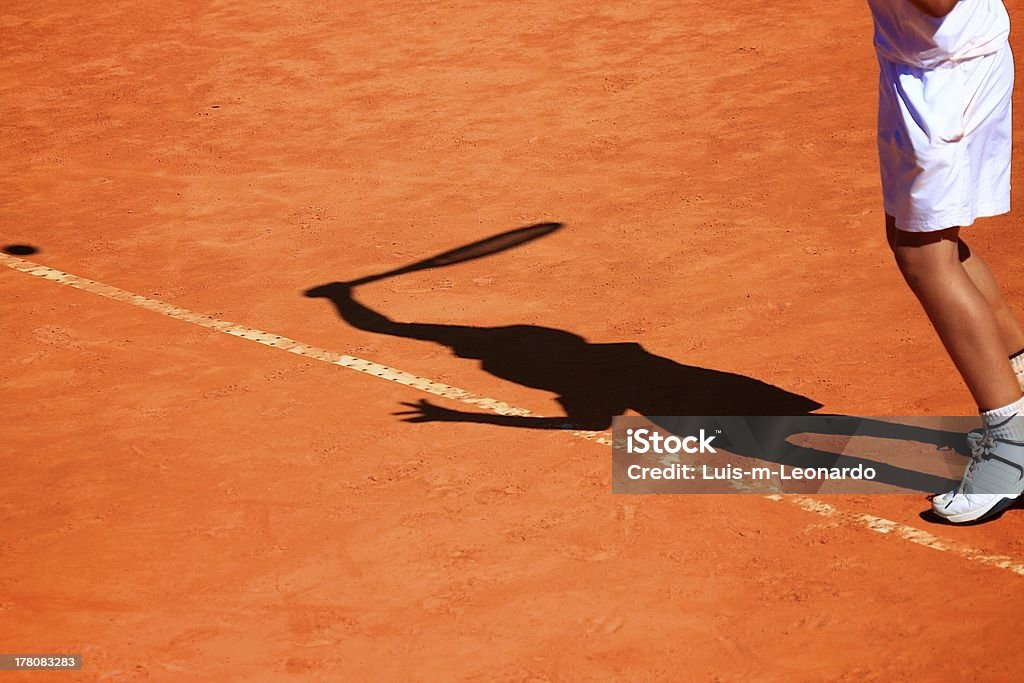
[906,35]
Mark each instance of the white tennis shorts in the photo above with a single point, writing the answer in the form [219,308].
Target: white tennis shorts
[944,141]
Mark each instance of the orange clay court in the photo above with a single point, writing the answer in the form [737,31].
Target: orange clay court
[180,503]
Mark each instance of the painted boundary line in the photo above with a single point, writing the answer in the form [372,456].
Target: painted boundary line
[279,342]
[877,524]
[907,533]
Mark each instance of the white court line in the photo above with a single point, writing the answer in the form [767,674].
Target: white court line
[283,343]
[878,524]
[907,533]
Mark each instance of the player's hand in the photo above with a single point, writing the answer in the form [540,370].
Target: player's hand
[425,411]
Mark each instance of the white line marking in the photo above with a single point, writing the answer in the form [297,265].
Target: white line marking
[882,526]
[283,343]
[907,533]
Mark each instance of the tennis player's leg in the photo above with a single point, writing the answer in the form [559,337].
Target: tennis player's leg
[1009,326]
[1010,329]
[969,330]
[959,311]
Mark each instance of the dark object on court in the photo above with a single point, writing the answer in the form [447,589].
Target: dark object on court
[20,249]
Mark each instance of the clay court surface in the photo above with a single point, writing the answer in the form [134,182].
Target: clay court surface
[182,504]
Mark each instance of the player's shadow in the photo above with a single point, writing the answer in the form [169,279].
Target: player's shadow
[597,382]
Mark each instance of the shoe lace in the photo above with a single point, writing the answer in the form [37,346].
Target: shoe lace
[980,451]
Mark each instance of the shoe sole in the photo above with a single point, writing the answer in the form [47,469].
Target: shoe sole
[995,508]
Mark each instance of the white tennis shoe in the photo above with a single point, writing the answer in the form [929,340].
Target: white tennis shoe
[994,479]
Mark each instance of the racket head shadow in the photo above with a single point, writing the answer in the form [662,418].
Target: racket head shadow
[489,246]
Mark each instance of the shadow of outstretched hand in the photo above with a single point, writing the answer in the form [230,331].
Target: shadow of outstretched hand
[425,411]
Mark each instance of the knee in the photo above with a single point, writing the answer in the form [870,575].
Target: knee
[919,265]
[925,254]
[911,265]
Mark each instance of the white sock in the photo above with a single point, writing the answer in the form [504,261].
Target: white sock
[1006,422]
[1017,361]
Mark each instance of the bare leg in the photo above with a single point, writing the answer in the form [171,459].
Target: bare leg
[1009,327]
[960,313]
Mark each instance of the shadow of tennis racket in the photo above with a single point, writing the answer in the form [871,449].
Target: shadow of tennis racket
[470,252]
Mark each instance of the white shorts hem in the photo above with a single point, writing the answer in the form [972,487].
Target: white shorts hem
[959,219]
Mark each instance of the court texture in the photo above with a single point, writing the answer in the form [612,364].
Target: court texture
[222,463]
